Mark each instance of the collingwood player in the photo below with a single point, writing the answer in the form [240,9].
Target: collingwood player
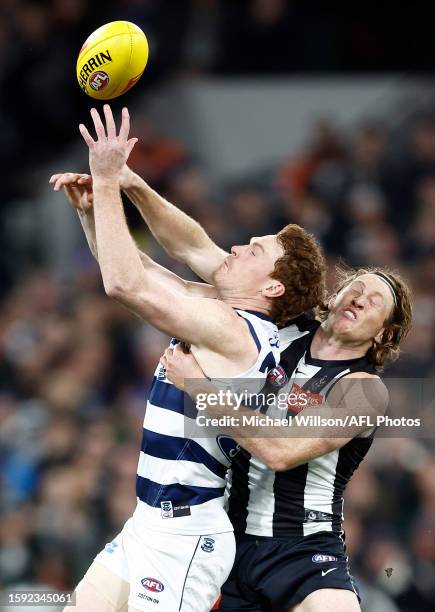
[286,493]
[178,548]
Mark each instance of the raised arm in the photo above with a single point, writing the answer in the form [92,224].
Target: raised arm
[199,321]
[181,236]
[78,190]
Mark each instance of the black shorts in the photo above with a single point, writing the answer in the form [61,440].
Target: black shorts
[273,574]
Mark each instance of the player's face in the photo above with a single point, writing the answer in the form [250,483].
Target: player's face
[247,270]
[360,310]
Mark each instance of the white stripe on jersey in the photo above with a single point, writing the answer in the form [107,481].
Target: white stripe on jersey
[319,489]
[261,499]
[181,426]
[289,334]
[167,471]
[326,389]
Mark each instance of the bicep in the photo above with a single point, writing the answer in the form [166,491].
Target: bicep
[174,281]
[194,320]
[205,260]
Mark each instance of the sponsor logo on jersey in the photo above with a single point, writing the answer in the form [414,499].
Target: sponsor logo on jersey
[228,446]
[318,383]
[148,598]
[299,398]
[319,558]
[98,80]
[111,546]
[277,377]
[208,545]
[152,584]
[274,339]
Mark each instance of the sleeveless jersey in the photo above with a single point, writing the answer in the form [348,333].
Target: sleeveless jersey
[180,483]
[308,498]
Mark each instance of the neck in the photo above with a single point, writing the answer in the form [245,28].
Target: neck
[327,345]
[259,304]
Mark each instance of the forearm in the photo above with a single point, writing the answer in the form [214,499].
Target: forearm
[280,447]
[119,260]
[182,237]
[87,222]
[236,422]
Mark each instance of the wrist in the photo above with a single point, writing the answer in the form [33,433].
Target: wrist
[107,183]
[127,178]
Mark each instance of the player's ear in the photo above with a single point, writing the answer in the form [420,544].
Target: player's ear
[384,335]
[273,289]
[331,301]
[378,337]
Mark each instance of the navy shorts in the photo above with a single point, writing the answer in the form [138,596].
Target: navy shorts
[273,574]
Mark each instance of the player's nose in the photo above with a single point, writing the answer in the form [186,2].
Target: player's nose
[358,302]
[235,250]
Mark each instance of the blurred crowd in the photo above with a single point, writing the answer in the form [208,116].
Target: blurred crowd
[40,40]
[75,367]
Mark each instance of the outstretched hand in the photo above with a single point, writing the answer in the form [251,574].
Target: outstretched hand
[77,188]
[180,365]
[109,153]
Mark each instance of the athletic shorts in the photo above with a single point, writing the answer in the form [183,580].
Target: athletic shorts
[167,572]
[273,574]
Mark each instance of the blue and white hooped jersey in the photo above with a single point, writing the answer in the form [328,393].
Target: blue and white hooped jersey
[180,482]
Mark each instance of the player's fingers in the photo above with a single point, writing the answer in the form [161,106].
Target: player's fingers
[125,124]
[179,350]
[64,179]
[168,354]
[85,179]
[86,136]
[72,195]
[130,145]
[99,127]
[163,361]
[54,178]
[110,122]
[85,201]
[58,184]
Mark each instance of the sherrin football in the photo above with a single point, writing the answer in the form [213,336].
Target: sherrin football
[112,60]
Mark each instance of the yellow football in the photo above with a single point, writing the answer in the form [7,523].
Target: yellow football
[112,60]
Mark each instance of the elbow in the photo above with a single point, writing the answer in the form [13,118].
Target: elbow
[276,463]
[116,291]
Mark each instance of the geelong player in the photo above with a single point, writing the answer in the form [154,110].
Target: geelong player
[178,548]
[286,496]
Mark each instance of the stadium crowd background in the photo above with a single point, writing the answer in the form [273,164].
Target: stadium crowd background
[74,366]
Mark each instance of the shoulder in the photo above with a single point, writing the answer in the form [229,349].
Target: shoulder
[302,325]
[362,389]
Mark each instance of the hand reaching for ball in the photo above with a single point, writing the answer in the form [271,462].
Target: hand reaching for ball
[109,153]
[77,188]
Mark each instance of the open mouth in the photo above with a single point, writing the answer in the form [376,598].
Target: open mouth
[349,313]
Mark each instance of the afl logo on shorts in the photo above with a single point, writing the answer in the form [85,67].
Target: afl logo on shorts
[277,377]
[98,80]
[151,584]
[323,558]
[228,446]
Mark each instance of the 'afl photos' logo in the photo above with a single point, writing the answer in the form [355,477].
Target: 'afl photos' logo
[228,446]
[98,80]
